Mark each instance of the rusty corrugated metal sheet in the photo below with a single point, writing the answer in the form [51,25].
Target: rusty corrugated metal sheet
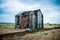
[24,22]
[31,19]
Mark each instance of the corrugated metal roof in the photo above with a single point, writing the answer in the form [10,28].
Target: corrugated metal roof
[26,12]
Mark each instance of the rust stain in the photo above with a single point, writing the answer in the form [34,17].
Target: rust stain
[24,22]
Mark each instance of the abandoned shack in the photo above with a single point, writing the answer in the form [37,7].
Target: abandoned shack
[29,19]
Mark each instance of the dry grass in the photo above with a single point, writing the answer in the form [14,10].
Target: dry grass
[53,34]
[7,25]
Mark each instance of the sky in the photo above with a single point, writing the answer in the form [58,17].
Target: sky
[49,8]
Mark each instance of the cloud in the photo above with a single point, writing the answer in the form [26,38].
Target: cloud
[5,18]
[12,7]
[51,15]
[50,12]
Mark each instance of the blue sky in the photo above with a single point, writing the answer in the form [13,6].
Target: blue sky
[49,8]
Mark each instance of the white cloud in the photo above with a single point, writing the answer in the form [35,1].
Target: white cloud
[16,6]
[13,7]
[51,16]
[48,10]
[4,15]
[6,18]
